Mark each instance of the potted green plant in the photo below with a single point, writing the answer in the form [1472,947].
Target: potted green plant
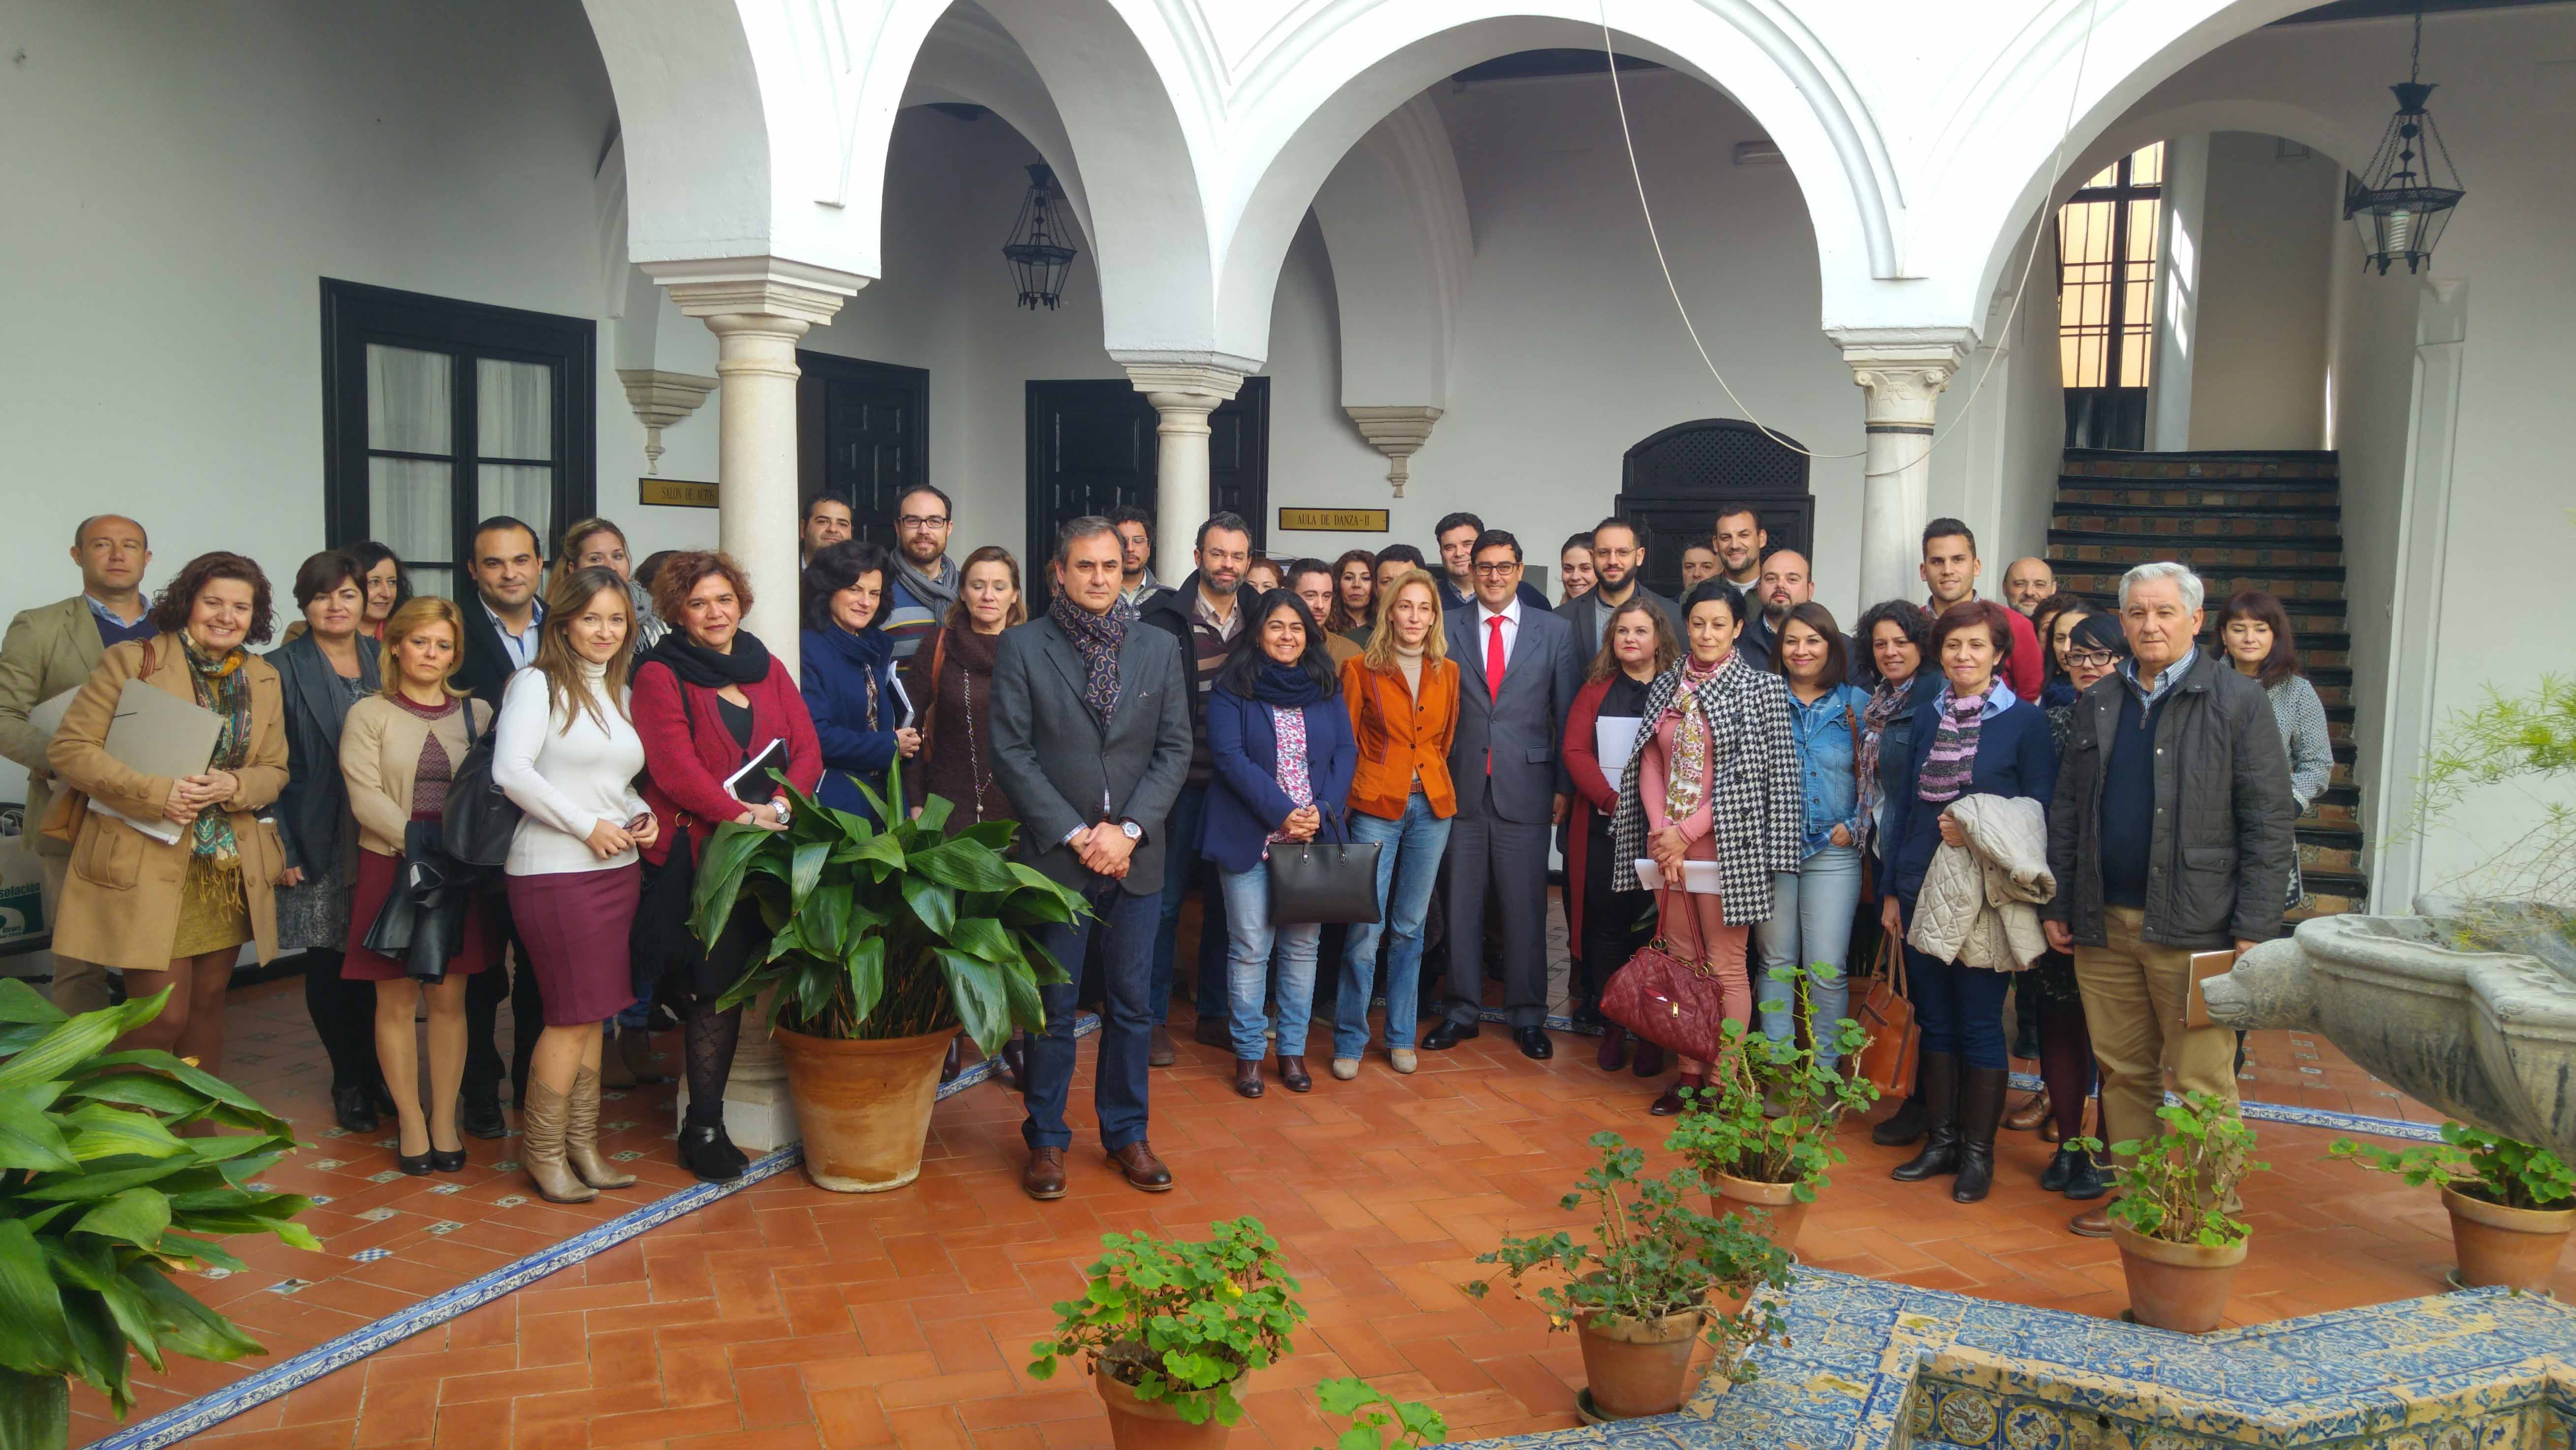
[1657,1279]
[1379,1421]
[883,942]
[2174,1220]
[1762,1131]
[1172,1327]
[102,1202]
[2511,1204]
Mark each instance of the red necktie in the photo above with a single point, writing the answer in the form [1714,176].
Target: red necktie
[1493,657]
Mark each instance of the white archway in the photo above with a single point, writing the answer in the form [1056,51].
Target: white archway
[1394,220]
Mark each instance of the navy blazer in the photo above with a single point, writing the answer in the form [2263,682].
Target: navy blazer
[2016,756]
[836,695]
[1514,744]
[1247,804]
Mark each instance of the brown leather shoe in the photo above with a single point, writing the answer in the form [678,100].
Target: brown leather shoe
[2048,1130]
[2093,1225]
[1044,1177]
[1292,1074]
[1159,1051]
[1213,1032]
[1247,1077]
[1142,1168]
[2030,1114]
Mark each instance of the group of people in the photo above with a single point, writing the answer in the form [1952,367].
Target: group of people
[1731,771]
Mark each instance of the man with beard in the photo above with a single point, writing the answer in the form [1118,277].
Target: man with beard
[925,581]
[1618,564]
[1137,583]
[1740,541]
[2027,582]
[1699,565]
[1205,613]
[1786,583]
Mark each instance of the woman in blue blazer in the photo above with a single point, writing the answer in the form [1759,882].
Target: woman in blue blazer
[846,673]
[1283,751]
[1971,737]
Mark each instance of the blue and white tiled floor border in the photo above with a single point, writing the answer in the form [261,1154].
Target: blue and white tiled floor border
[203,1413]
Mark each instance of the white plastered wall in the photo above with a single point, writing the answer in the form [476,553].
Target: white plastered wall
[2258,369]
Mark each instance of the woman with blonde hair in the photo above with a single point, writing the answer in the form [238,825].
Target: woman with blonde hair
[566,753]
[398,751]
[597,543]
[167,888]
[1402,692]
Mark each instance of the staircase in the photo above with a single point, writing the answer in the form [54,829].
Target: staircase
[2241,521]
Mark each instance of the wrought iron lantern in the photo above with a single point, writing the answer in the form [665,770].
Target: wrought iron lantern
[1039,257]
[2403,200]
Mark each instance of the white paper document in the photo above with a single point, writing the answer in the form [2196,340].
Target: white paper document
[1699,878]
[1614,739]
[164,831]
[903,699]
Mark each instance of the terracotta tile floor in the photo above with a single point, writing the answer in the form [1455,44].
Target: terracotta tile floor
[785,1316]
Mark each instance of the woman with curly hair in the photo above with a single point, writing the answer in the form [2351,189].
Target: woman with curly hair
[171,875]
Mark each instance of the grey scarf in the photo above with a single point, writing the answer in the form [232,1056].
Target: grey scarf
[937,591]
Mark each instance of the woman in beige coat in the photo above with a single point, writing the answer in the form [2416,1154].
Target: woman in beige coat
[175,915]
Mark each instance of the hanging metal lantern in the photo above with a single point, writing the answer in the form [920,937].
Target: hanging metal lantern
[1039,258]
[2403,200]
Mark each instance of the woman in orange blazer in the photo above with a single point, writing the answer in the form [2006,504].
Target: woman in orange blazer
[176,914]
[1403,697]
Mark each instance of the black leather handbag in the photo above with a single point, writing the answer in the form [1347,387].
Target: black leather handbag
[1324,881]
[480,820]
[422,922]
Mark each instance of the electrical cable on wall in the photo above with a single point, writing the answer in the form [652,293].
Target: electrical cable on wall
[2004,338]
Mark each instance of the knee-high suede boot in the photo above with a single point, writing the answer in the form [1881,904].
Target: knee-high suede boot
[541,1146]
[581,1136]
[1938,1089]
[1981,1108]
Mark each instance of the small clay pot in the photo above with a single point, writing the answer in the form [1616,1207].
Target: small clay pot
[2515,1247]
[1636,1367]
[1136,1424]
[2177,1286]
[1779,1201]
[864,1107]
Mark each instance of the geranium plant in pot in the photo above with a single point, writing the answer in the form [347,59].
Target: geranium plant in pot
[1658,1278]
[107,1194]
[882,943]
[2511,1204]
[1762,1131]
[2175,1218]
[1379,1421]
[1171,1328]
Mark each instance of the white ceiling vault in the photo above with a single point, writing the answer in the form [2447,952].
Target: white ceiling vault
[1194,136]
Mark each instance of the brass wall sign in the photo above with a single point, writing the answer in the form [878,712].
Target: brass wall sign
[675,493]
[1334,521]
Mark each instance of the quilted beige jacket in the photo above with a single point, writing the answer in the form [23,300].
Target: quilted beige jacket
[1979,906]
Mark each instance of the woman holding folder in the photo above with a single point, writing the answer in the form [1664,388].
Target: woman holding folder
[1603,907]
[173,870]
[715,710]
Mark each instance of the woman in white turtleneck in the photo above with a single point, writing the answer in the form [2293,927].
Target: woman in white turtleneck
[565,751]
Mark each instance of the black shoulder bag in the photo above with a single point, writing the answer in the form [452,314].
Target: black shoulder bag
[1324,881]
[481,821]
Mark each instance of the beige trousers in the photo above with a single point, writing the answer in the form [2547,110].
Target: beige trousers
[2134,1000]
[78,986]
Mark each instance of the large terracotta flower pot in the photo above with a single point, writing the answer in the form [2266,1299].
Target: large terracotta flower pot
[1136,1424]
[1732,1195]
[864,1107]
[2515,1247]
[2177,1286]
[1637,1367]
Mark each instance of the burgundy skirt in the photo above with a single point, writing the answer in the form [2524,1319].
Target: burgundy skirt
[376,877]
[574,926]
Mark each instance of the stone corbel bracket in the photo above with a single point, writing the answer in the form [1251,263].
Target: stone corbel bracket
[1398,432]
[661,399]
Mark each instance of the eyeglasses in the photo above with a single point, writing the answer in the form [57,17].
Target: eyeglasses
[920,523]
[2091,658]
[1495,571]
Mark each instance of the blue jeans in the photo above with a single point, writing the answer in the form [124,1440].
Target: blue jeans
[1960,1009]
[1126,1025]
[1182,831]
[1810,927]
[1408,864]
[1250,934]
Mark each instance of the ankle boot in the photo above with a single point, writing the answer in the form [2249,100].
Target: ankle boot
[541,1146]
[1901,1127]
[1614,1048]
[1937,1086]
[581,1136]
[2085,1180]
[1981,1109]
[1293,1075]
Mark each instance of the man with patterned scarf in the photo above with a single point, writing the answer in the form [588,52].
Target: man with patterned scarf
[1091,741]
[925,580]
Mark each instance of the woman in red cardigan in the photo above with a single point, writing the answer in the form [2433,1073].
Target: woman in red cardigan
[707,699]
[1637,644]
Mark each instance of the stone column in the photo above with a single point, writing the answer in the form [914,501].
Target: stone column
[1183,394]
[758,308]
[1901,384]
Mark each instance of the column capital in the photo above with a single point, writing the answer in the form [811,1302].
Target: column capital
[1903,383]
[756,287]
[1199,386]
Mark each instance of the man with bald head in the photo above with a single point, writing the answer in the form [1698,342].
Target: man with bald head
[1785,583]
[2027,582]
[49,650]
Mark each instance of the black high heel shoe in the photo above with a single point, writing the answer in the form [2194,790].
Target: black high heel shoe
[415,1164]
[448,1161]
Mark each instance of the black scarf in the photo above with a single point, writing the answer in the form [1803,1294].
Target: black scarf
[1097,637]
[707,669]
[1287,686]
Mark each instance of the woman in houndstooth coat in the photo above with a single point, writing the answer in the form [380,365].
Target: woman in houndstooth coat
[1714,779]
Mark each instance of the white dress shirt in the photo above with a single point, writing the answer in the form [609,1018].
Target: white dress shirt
[1511,618]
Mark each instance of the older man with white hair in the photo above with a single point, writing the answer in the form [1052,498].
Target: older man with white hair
[2170,835]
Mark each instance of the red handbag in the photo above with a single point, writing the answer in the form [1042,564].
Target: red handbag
[1668,1001]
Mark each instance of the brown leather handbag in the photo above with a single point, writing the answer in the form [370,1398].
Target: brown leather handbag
[1668,1001]
[1895,1042]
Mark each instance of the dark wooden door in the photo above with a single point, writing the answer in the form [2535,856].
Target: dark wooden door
[1092,447]
[862,434]
[1673,483]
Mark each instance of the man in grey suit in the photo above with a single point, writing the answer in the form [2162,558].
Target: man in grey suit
[1521,672]
[1091,740]
[1618,566]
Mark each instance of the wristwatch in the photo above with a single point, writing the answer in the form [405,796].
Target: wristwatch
[1135,832]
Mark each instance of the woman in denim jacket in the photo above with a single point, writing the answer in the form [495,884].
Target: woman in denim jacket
[1812,907]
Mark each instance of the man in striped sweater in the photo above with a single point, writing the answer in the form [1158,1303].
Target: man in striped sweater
[925,581]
